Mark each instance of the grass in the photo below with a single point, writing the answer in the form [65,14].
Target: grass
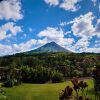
[40,91]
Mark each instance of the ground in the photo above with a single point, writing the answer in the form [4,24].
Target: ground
[41,91]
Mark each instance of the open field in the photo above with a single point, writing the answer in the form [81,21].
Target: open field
[41,91]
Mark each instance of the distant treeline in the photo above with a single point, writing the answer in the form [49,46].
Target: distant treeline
[70,64]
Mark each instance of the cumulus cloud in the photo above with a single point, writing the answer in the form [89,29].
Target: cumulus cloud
[51,33]
[57,35]
[81,45]
[63,23]
[9,29]
[99,7]
[93,50]
[83,27]
[52,2]
[10,9]
[30,29]
[94,2]
[97,28]
[15,48]
[70,5]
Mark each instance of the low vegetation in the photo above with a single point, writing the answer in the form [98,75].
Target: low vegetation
[42,91]
[27,74]
[68,64]
[79,89]
[47,68]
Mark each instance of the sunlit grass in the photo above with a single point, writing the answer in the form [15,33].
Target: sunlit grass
[41,91]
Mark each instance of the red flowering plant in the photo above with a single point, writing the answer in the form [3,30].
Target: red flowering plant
[66,93]
[79,87]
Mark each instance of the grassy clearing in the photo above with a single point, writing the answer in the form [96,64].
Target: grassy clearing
[40,91]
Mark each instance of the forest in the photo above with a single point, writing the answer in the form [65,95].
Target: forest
[44,67]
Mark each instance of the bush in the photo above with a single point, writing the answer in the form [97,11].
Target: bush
[38,74]
[16,82]
[57,77]
[25,74]
[8,83]
[77,73]
[2,95]
[42,74]
[73,93]
[11,83]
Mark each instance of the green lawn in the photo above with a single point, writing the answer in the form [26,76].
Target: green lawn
[40,91]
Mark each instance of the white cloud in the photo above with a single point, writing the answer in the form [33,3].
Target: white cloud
[98,20]
[97,28]
[10,9]
[25,35]
[83,28]
[81,44]
[70,5]
[63,23]
[99,7]
[94,2]
[82,25]
[51,33]
[56,35]
[68,32]
[9,29]
[5,49]
[24,46]
[52,2]
[15,48]
[92,50]
[30,29]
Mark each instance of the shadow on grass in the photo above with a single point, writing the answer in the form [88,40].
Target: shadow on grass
[91,91]
[95,95]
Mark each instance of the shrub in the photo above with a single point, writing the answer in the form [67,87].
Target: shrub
[2,94]
[77,73]
[42,74]
[38,74]
[11,83]
[57,77]
[8,83]
[25,73]
[70,93]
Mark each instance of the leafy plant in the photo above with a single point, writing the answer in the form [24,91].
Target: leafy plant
[57,77]
[96,76]
[73,93]
[8,83]
[2,94]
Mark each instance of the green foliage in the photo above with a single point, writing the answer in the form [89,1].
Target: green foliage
[41,65]
[57,77]
[40,74]
[73,93]
[12,77]
[2,94]
[96,76]
[77,73]
[8,83]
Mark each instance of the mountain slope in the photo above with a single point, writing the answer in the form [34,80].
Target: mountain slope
[50,47]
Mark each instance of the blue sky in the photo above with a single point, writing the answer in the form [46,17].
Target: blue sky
[29,24]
